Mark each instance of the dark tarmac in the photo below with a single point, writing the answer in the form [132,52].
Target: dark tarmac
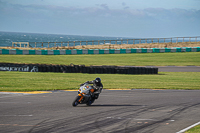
[123,111]
[116,111]
[179,68]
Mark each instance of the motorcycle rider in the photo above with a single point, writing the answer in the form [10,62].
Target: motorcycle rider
[97,85]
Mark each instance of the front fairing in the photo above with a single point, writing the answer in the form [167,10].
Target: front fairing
[85,89]
[84,93]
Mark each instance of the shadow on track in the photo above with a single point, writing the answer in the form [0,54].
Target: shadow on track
[114,105]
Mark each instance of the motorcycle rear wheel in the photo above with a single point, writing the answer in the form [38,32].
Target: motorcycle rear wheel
[75,102]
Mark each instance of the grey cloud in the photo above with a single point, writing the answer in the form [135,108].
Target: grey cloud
[72,19]
[123,4]
[101,10]
[105,6]
[171,13]
[127,7]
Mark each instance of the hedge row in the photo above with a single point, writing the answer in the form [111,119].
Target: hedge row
[78,69]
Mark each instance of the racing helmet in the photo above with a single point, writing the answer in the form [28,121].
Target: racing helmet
[98,81]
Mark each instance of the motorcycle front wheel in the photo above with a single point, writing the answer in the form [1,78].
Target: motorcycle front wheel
[75,102]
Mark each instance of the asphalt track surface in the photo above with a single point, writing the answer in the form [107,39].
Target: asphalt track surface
[116,111]
[178,68]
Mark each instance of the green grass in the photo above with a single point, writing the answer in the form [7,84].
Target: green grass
[196,129]
[137,59]
[26,81]
[22,81]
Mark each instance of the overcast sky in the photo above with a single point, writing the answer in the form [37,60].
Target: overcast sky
[117,18]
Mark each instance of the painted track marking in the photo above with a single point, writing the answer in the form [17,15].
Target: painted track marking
[189,127]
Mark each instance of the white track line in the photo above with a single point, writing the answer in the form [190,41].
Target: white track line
[189,127]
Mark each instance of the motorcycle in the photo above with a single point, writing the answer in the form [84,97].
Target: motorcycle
[85,95]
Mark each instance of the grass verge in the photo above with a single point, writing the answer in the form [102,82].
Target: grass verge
[136,59]
[26,81]
[196,129]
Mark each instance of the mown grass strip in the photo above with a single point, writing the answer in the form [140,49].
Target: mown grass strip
[136,59]
[26,81]
[196,129]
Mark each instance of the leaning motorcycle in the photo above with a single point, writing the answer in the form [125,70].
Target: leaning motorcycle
[85,95]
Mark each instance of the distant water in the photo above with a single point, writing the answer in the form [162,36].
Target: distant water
[6,38]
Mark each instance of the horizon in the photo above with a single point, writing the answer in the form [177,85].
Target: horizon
[103,36]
